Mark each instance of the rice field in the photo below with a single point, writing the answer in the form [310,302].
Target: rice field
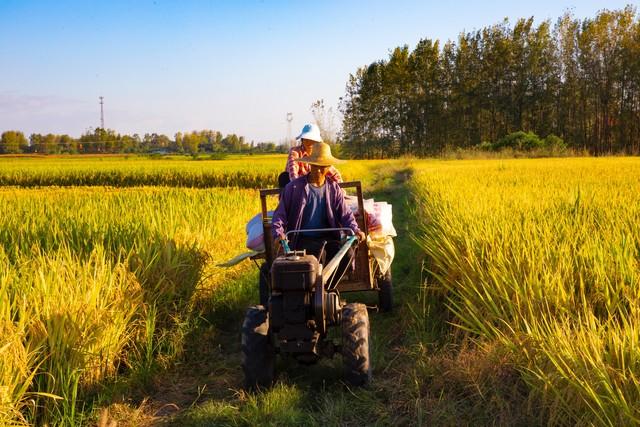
[131,171]
[542,257]
[254,171]
[99,281]
[107,265]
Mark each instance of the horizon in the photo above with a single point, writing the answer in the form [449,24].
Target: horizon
[237,69]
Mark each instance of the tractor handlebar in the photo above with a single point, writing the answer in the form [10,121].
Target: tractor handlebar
[321,229]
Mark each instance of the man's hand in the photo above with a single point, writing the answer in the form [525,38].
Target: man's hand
[361,237]
[276,244]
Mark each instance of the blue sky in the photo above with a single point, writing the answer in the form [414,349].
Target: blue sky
[165,66]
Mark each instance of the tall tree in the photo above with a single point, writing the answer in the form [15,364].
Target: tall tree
[12,142]
[579,80]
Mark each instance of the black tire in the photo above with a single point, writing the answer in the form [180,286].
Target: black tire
[355,344]
[258,355]
[385,292]
[263,284]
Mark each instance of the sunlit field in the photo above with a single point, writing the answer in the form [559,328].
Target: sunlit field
[96,282]
[109,282]
[253,171]
[127,171]
[542,257]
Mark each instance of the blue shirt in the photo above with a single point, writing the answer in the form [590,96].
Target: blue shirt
[315,211]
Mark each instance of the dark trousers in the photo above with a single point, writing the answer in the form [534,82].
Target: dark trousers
[313,246]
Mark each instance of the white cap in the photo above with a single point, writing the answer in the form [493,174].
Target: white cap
[311,132]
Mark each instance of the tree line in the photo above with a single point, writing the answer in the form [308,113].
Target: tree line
[107,141]
[577,81]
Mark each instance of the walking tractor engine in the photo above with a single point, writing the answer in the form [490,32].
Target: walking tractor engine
[301,301]
[301,308]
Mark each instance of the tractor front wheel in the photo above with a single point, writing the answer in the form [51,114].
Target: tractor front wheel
[355,344]
[258,355]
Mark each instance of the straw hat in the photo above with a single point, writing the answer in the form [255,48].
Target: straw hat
[310,132]
[321,155]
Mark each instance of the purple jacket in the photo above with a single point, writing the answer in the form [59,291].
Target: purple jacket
[288,215]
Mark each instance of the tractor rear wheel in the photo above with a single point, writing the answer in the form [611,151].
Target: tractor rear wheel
[385,292]
[355,344]
[258,355]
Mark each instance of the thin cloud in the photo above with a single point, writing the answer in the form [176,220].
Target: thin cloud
[14,102]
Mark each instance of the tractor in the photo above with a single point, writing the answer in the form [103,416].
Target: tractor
[301,301]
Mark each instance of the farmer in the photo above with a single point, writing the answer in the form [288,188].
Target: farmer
[313,201]
[295,168]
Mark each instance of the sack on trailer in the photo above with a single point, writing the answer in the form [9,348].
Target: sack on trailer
[383,250]
[383,213]
[255,232]
[378,215]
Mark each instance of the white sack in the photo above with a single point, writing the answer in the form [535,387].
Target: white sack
[383,250]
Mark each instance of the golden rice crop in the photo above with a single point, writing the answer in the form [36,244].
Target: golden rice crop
[543,256]
[251,172]
[87,274]
[258,171]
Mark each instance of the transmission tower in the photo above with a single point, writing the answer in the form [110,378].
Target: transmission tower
[289,120]
[102,112]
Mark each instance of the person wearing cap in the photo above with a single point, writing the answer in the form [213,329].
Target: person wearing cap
[295,168]
[313,201]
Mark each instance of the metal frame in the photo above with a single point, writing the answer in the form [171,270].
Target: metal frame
[362,279]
